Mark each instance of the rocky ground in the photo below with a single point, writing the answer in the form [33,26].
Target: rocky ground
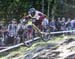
[63,50]
[57,48]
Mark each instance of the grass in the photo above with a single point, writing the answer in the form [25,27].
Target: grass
[17,52]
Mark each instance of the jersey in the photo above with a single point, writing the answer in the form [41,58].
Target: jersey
[38,15]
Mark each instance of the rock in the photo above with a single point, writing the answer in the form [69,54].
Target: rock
[51,45]
[29,56]
[54,51]
[38,49]
[71,56]
[68,41]
[12,55]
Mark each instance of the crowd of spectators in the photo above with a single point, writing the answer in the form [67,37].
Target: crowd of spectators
[15,32]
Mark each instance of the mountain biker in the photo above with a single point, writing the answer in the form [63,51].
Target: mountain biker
[37,17]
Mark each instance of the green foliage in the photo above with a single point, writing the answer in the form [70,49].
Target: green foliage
[17,8]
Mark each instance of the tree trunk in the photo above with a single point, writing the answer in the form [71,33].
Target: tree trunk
[48,9]
[43,6]
[53,8]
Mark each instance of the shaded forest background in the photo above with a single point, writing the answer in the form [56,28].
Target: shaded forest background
[52,8]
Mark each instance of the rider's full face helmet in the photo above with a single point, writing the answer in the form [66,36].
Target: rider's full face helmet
[32,11]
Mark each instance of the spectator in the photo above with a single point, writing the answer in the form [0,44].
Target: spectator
[22,29]
[73,24]
[63,26]
[58,24]
[52,25]
[68,24]
[45,24]
[1,34]
[12,32]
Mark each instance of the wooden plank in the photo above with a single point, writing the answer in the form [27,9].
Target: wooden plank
[3,47]
[31,40]
[15,46]
[58,32]
[36,38]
